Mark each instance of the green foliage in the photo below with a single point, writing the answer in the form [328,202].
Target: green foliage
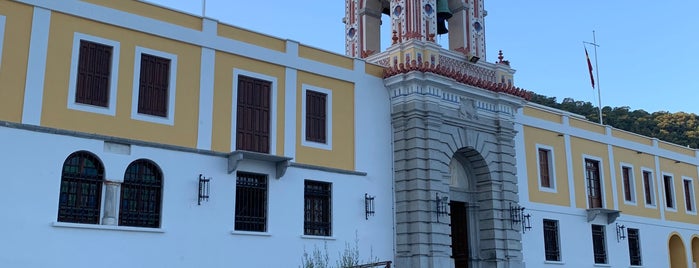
[679,128]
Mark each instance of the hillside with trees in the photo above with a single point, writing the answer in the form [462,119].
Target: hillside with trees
[680,128]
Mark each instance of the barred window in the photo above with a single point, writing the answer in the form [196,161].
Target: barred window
[599,244]
[94,70]
[251,202]
[634,247]
[81,189]
[552,245]
[141,194]
[317,208]
[154,85]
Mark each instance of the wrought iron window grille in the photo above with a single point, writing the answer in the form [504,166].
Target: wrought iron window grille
[620,232]
[203,189]
[518,216]
[369,206]
[442,205]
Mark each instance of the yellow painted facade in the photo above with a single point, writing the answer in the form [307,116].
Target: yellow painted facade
[253,38]
[342,154]
[13,68]
[632,137]
[586,125]
[318,55]
[582,148]
[676,148]
[223,98]
[537,136]
[55,112]
[153,12]
[679,171]
[637,162]
[373,70]
[541,114]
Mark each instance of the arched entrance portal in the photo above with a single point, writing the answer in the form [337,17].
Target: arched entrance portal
[695,251]
[678,257]
[466,167]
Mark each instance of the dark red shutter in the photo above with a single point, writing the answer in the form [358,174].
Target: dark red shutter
[627,183]
[253,120]
[316,118]
[688,195]
[544,168]
[154,85]
[646,187]
[94,69]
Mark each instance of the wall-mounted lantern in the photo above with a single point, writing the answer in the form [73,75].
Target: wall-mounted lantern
[620,232]
[518,216]
[203,189]
[368,205]
[442,205]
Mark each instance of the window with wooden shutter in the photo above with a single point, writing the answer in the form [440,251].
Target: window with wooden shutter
[253,114]
[316,116]
[626,179]
[688,195]
[669,195]
[544,169]
[648,187]
[154,85]
[94,70]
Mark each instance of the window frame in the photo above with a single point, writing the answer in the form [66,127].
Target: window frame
[328,117]
[600,170]
[172,87]
[670,192]
[557,243]
[159,213]
[3,19]
[689,200]
[100,185]
[651,186]
[631,181]
[599,249]
[272,107]
[637,247]
[113,76]
[551,168]
[265,207]
[328,199]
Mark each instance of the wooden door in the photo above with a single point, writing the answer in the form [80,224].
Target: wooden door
[459,234]
[594,189]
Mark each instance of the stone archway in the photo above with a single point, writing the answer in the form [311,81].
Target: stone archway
[677,254]
[695,251]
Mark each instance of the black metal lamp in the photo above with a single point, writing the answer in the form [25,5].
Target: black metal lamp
[518,216]
[442,205]
[620,232]
[203,189]
[368,206]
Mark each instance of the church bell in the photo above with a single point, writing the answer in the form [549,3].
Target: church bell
[443,14]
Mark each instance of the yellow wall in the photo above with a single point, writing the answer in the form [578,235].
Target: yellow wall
[532,137]
[223,97]
[676,148]
[253,38]
[678,170]
[342,154]
[587,125]
[153,12]
[373,70]
[637,162]
[580,147]
[15,50]
[632,137]
[325,57]
[541,114]
[56,114]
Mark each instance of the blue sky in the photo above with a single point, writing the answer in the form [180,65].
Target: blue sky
[646,54]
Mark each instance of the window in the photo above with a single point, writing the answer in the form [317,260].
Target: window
[552,246]
[599,244]
[253,116]
[81,189]
[251,202]
[2,35]
[545,165]
[141,194]
[155,76]
[93,74]
[317,117]
[669,192]
[628,184]
[316,208]
[648,192]
[594,185]
[634,246]
[688,194]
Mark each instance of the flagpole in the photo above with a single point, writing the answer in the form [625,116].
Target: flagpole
[599,94]
[203,8]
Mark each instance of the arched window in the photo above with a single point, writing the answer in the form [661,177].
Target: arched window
[81,189]
[141,194]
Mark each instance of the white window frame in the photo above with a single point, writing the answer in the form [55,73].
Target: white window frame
[328,145]
[653,202]
[272,108]
[691,196]
[552,169]
[601,178]
[2,36]
[672,191]
[172,87]
[632,183]
[113,76]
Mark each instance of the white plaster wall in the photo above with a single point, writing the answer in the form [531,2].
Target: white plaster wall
[192,235]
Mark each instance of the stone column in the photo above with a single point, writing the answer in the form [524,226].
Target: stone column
[111,201]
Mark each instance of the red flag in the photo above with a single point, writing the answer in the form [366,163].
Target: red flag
[589,67]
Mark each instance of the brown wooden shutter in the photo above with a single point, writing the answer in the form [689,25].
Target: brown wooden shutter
[688,195]
[627,183]
[646,187]
[316,118]
[94,69]
[544,168]
[154,85]
[253,114]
